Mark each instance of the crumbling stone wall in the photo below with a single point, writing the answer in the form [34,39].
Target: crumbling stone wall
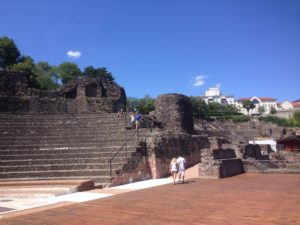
[175,112]
[13,84]
[85,95]
[218,161]
[162,146]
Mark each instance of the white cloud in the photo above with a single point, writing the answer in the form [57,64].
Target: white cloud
[199,80]
[74,54]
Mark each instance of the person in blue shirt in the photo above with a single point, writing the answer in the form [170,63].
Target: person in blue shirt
[138,118]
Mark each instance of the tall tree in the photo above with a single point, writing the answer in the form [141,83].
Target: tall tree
[26,65]
[247,104]
[101,72]
[199,107]
[9,53]
[68,71]
[47,76]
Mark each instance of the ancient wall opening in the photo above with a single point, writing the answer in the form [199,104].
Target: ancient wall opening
[91,90]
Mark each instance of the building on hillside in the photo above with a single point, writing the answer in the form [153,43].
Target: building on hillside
[285,105]
[296,104]
[263,105]
[214,94]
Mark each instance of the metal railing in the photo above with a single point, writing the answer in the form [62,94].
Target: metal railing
[124,146]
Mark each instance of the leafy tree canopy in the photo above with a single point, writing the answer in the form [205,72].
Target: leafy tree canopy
[144,105]
[9,53]
[68,71]
[26,65]
[203,110]
[47,78]
[101,72]
[42,75]
[247,104]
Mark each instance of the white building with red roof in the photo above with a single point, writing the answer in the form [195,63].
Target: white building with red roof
[265,103]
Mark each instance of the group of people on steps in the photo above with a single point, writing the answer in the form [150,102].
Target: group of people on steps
[135,118]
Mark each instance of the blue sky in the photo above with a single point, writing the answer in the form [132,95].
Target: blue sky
[247,47]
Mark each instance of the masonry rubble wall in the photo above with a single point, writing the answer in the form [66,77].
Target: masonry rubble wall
[220,159]
[162,146]
[85,95]
[175,112]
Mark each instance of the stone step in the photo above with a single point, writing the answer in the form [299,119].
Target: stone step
[66,141]
[80,155]
[68,167]
[80,184]
[68,146]
[68,150]
[73,133]
[16,193]
[43,175]
[104,180]
[34,147]
[118,161]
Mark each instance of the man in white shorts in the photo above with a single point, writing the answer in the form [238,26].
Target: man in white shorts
[181,168]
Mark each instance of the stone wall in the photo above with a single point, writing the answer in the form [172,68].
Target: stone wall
[85,95]
[13,84]
[221,160]
[175,112]
[163,146]
[137,169]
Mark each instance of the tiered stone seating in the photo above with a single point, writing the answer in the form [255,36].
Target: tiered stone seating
[38,147]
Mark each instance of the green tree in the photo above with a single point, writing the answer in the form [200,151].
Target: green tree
[261,109]
[143,105]
[146,105]
[200,108]
[47,76]
[68,71]
[26,65]
[101,72]
[272,110]
[247,104]
[296,119]
[9,53]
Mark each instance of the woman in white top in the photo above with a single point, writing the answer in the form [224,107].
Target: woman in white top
[173,169]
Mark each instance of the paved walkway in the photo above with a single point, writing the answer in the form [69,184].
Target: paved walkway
[241,200]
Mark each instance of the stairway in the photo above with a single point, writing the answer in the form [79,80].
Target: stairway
[61,147]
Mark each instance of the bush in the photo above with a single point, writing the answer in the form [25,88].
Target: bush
[240,118]
[275,120]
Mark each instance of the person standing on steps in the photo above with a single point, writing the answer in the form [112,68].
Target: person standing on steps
[120,114]
[173,169]
[181,168]
[138,118]
[132,120]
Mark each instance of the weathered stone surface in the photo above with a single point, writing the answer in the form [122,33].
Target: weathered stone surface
[175,112]
[163,146]
[85,95]
[13,84]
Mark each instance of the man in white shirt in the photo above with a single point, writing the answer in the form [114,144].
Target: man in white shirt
[181,168]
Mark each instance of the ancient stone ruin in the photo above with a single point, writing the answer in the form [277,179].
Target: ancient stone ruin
[74,133]
[175,112]
[85,95]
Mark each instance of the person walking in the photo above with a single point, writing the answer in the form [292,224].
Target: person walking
[181,168]
[173,169]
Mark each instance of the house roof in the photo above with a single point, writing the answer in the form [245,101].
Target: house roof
[263,99]
[296,104]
